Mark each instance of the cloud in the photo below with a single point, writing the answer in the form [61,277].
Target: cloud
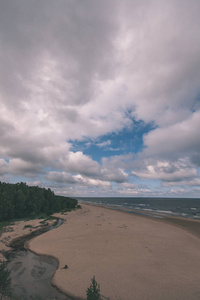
[162,58]
[114,168]
[175,140]
[3,167]
[171,153]
[104,144]
[167,170]
[86,170]
[60,177]
[138,63]
[188,183]
[18,167]
[78,71]
[66,178]
[92,182]
[77,162]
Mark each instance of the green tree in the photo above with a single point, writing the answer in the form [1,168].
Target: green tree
[19,206]
[7,207]
[5,280]
[19,201]
[93,292]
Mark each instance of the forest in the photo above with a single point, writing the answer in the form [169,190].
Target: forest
[20,201]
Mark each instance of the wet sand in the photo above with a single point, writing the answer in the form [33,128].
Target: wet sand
[132,257]
[192,226]
[31,276]
[16,230]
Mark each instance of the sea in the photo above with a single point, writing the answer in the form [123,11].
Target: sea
[154,207]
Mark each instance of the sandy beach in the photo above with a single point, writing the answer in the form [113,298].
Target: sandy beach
[132,257]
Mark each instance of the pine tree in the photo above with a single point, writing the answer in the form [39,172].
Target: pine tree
[93,292]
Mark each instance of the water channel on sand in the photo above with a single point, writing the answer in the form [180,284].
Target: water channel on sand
[31,274]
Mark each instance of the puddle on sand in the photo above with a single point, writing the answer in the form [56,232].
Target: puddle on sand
[31,275]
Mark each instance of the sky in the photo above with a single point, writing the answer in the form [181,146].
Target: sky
[101,98]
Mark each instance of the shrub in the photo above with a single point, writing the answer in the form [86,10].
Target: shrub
[4,280]
[27,226]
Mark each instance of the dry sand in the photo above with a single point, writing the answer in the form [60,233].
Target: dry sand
[132,257]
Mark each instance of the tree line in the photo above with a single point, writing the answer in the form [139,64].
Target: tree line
[20,201]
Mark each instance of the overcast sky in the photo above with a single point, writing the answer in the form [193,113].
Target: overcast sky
[101,98]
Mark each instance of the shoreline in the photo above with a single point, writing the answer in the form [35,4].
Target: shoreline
[143,252]
[185,225]
[188,224]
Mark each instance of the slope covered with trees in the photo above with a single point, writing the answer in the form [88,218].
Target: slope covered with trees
[19,201]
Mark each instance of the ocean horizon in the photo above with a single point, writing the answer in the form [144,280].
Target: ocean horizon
[177,207]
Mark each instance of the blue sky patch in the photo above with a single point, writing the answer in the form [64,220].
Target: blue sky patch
[119,143]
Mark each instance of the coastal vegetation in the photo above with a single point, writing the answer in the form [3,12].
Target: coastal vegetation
[5,280]
[22,201]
